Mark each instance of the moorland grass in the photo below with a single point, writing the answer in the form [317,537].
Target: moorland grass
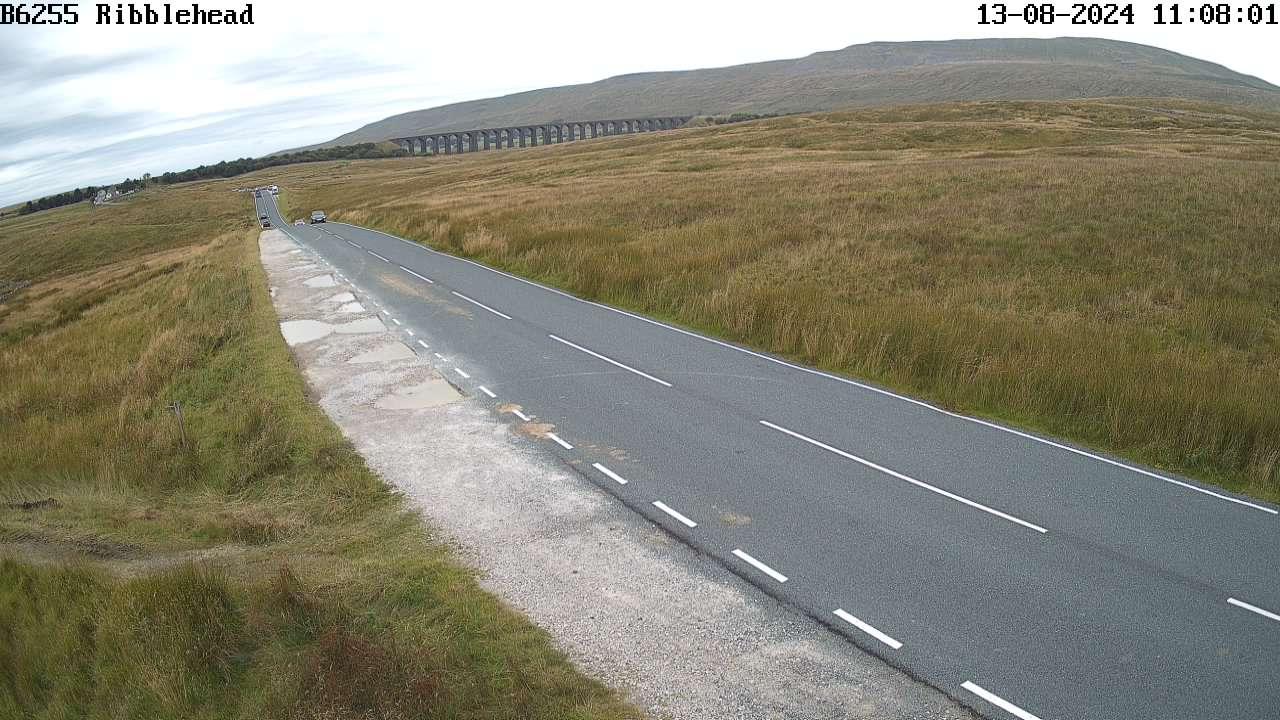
[1106,271]
[259,569]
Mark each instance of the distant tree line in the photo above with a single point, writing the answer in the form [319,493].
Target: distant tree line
[742,117]
[224,169]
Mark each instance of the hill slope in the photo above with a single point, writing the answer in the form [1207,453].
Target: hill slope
[875,74]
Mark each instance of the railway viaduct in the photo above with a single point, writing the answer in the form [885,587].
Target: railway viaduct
[463,141]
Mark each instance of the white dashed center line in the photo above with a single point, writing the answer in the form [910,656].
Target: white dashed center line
[427,279]
[378,256]
[520,415]
[487,391]
[900,476]
[609,473]
[760,566]
[867,629]
[668,510]
[396,321]
[1254,609]
[438,355]
[481,305]
[462,372]
[355,245]
[615,363]
[998,701]
[407,330]
[559,441]
[423,344]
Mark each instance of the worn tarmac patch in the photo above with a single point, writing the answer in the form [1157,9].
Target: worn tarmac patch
[320,281]
[384,353]
[431,393]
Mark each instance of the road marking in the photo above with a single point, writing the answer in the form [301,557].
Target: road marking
[433,282]
[837,378]
[423,344]
[355,245]
[864,627]
[409,331]
[670,511]
[609,473]
[480,304]
[462,372]
[487,391]
[900,476]
[520,415]
[628,368]
[559,441]
[1254,609]
[396,321]
[760,566]
[998,701]
[377,256]
[438,355]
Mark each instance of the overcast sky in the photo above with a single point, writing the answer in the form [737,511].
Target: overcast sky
[93,104]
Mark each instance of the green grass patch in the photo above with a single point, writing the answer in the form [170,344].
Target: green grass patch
[248,565]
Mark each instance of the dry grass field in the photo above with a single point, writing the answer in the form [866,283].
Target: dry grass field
[247,565]
[1107,271]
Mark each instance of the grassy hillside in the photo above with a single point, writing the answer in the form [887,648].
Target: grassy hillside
[246,566]
[871,75]
[1103,271]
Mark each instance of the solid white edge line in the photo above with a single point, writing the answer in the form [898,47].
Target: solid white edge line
[759,566]
[674,513]
[462,372]
[427,279]
[1254,609]
[998,701]
[559,441]
[480,304]
[520,415]
[610,474]
[900,476]
[628,368]
[377,256]
[423,344]
[837,378]
[487,391]
[864,627]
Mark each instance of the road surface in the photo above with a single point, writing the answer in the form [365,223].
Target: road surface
[1021,575]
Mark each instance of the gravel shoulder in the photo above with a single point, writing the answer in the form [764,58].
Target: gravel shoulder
[671,628]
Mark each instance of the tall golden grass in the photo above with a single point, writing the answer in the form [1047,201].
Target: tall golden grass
[1104,271]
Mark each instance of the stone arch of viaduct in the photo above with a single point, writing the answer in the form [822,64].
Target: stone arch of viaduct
[463,141]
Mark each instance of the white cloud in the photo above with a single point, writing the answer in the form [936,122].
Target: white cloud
[174,97]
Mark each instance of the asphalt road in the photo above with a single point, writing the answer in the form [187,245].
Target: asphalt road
[1023,576]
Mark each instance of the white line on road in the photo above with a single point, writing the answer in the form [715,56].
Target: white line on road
[480,304]
[377,256]
[673,513]
[462,372]
[998,701]
[433,282]
[609,473]
[864,627]
[760,566]
[396,321]
[628,368]
[520,415]
[423,344]
[1254,609]
[409,331]
[559,441]
[438,355]
[355,245]
[487,391]
[900,476]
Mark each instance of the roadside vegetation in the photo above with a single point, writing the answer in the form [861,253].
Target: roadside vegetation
[241,563]
[1106,271]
